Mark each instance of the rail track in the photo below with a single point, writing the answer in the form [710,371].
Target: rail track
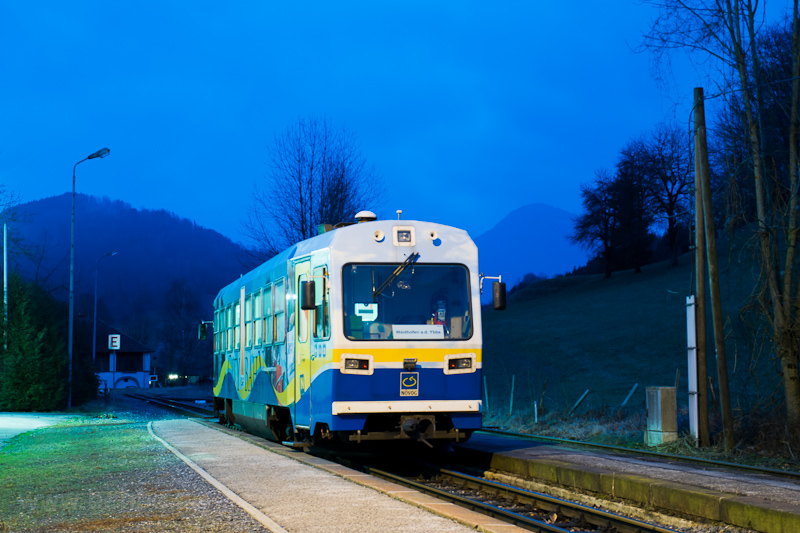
[191,407]
[186,406]
[530,510]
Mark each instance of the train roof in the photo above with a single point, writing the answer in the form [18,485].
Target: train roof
[369,242]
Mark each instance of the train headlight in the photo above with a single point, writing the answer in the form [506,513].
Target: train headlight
[356,364]
[461,363]
[457,364]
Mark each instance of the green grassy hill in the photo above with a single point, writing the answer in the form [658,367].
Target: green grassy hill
[586,332]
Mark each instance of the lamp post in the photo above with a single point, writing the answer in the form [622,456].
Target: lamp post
[94,321]
[100,153]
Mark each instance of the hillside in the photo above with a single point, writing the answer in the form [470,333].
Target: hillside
[154,248]
[586,332]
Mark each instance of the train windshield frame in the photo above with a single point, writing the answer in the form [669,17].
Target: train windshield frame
[428,301]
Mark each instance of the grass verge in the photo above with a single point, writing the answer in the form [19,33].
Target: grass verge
[90,474]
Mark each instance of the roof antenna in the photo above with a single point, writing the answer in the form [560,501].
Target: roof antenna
[399,212]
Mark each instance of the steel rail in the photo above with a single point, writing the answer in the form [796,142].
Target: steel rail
[175,405]
[483,508]
[647,453]
[595,517]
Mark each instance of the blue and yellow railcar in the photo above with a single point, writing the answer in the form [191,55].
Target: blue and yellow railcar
[371,331]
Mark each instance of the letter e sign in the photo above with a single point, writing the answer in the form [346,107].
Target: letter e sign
[113,342]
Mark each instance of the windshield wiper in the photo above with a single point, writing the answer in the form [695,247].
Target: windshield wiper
[411,258]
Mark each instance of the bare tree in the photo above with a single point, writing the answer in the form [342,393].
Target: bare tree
[10,214]
[186,354]
[597,228]
[728,31]
[669,163]
[634,203]
[318,175]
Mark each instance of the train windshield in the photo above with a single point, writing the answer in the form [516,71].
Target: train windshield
[406,302]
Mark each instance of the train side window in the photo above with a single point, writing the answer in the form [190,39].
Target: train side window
[268,331]
[248,321]
[237,337]
[216,330]
[219,333]
[280,312]
[229,327]
[257,316]
[322,319]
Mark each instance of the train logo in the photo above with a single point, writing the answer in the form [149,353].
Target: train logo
[409,384]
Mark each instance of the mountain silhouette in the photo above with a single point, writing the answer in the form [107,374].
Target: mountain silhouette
[532,239]
[153,249]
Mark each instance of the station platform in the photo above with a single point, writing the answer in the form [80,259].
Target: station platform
[285,489]
[759,502]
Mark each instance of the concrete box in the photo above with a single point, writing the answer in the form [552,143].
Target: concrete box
[662,416]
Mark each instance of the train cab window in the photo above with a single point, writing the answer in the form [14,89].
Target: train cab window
[280,312]
[414,302]
[257,317]
[248,321]
[322,317]
[268,331]
[237,337]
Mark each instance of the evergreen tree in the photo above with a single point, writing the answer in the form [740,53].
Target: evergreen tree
[33,365]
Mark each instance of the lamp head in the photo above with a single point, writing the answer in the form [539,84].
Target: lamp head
[100,153]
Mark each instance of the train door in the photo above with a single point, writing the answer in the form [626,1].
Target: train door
[302,353]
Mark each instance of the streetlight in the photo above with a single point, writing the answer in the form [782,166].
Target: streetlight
[100,153]
[94,322]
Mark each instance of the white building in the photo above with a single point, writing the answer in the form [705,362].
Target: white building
[121,361]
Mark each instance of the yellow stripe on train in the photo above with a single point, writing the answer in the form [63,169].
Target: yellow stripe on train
[394,355]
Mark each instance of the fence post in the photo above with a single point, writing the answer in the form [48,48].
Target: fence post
[628,397]
[578,402]
[511,400]
[486,393]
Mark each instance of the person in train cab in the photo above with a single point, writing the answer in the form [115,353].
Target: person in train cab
[440,314]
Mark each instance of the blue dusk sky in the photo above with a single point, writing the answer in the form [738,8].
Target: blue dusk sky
[468,110]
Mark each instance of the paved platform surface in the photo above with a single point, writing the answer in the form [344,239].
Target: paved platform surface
[12,424]
[756,501]
[318,496]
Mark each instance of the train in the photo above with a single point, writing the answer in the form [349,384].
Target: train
[369,331]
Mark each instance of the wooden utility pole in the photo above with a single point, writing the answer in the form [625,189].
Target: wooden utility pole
[713,272]
[700,296]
